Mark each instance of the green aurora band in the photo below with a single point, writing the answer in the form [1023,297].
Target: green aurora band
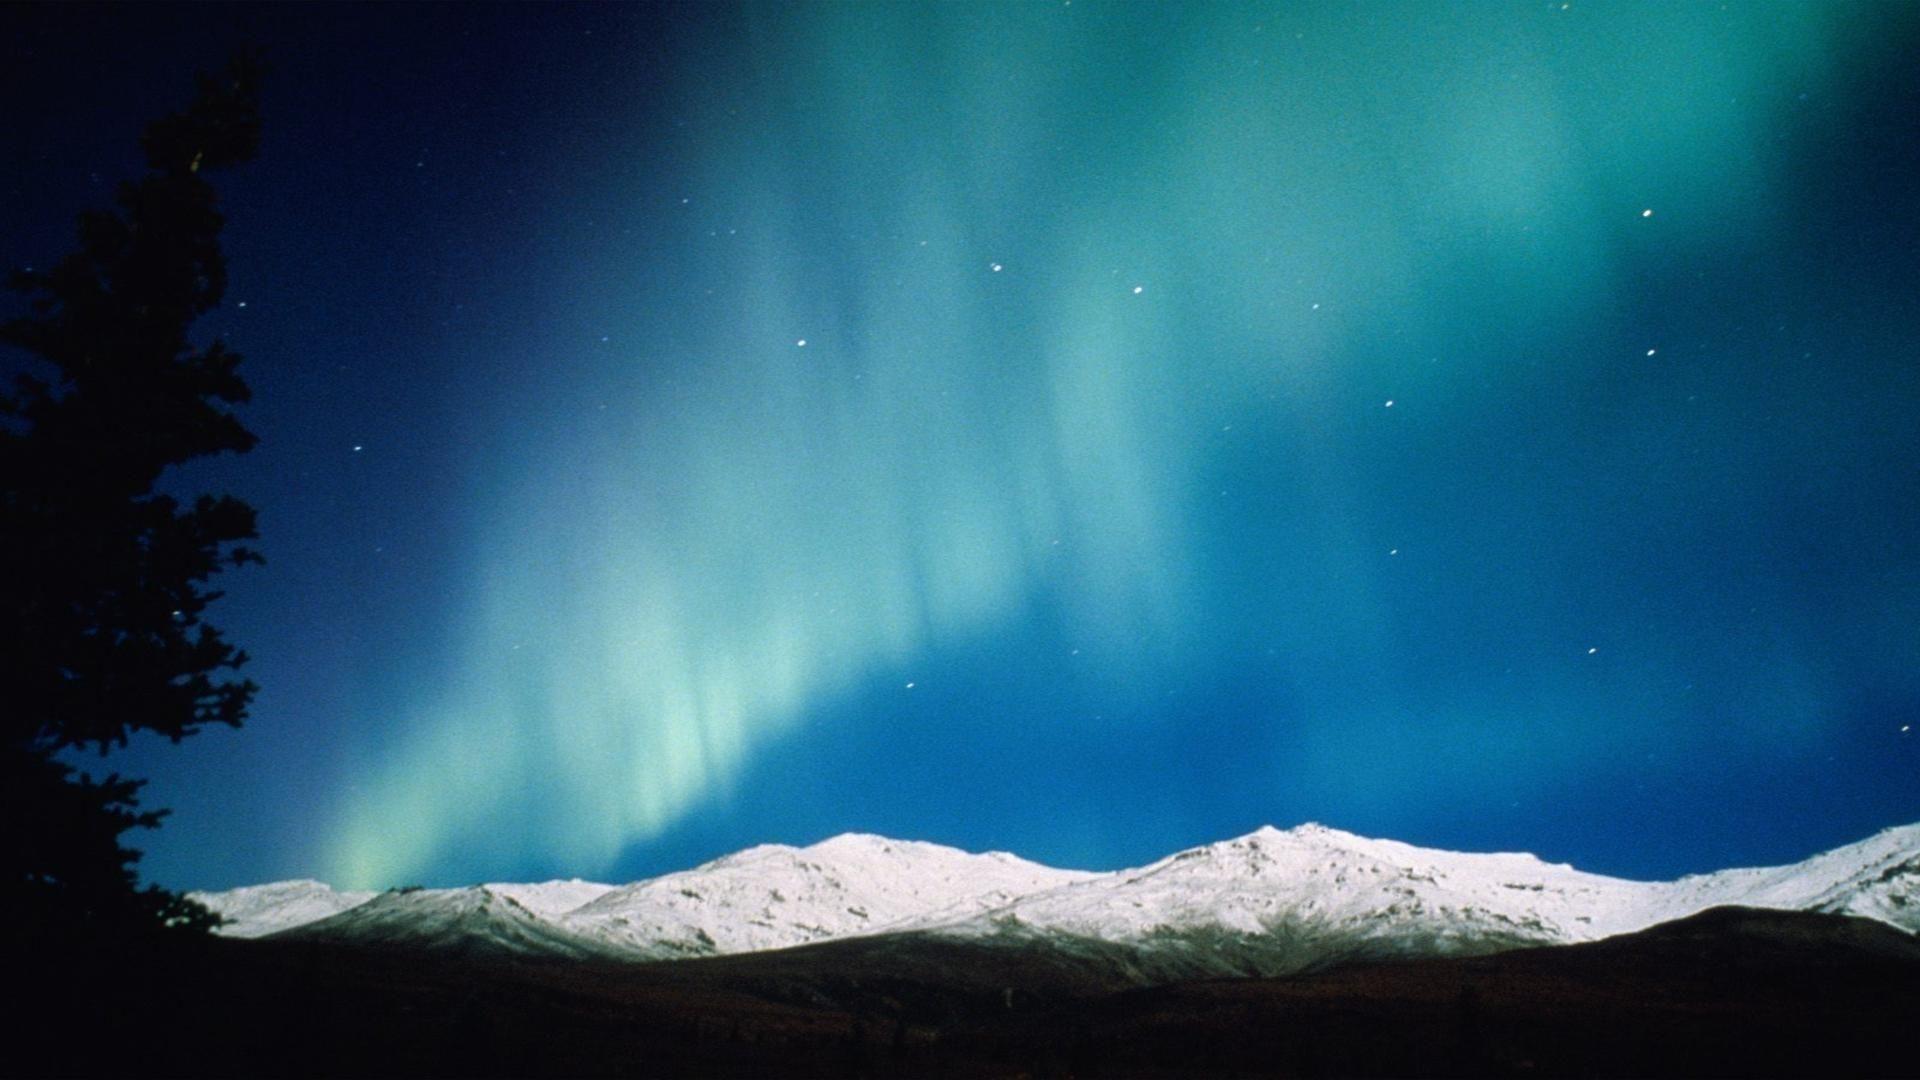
[1058,269]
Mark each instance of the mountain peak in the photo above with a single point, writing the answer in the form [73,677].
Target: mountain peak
[258,910]
[551,898]
[850,843]
[1315,832]
[774,896]
[473,919]
[1310,835]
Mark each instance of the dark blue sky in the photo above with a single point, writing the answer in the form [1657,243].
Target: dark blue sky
[1078,429]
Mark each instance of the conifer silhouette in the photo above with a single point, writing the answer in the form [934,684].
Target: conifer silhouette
[104,576]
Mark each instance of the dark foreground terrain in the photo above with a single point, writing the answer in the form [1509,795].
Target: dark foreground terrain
[1731,992]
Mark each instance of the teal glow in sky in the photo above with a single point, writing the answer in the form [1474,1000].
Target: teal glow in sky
[1080,429]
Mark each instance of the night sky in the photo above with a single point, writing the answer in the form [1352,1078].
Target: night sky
[1078,429]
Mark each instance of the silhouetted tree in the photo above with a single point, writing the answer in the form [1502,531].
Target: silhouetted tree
[103,578]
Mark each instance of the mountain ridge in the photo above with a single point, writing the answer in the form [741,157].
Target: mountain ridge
[1270,902]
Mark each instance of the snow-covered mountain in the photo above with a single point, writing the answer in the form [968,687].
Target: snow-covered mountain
[1276,902]
[774,896]
[1273,902]
[259,910]
[552,899]
[476,919]
[1876,878]
[1269,902]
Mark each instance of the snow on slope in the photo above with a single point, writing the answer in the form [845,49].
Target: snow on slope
[474,919]
[552,899]
[1275,901]
[1876,878]
[1269,902]
[774,896]
[259,910]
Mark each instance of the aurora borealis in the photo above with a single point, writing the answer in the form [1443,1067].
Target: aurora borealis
[1079,429]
